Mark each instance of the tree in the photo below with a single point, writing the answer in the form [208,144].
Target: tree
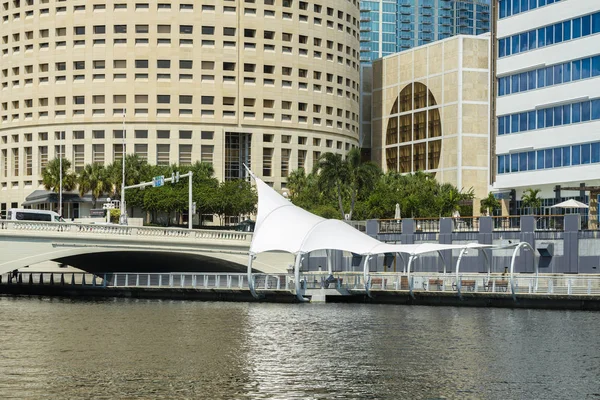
[51,176]
[234,198]
[489,204]
[333,172]
[361,176]
[136,171]
[351,177]
[94,178]
[530,200]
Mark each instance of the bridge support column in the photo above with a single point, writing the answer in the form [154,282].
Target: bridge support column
[251,258]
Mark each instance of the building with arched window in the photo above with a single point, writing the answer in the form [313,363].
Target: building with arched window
[431,111]
[272,84]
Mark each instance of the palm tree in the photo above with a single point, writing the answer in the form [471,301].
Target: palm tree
[333,173]
[95,179]
[347,175]
[51,176]
[136,170]
[490,203]
[530,199]
[362,176]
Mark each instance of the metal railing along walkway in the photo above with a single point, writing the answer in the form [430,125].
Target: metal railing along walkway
[530,284]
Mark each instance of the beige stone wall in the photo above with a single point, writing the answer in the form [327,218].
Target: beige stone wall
[201,66]
[455,71]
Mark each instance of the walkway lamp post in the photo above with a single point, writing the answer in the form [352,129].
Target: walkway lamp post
[60,173]
[123,216]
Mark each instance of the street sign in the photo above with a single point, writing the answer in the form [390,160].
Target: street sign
[158,181]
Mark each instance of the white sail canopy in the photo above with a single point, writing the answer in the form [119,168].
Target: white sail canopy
[282,226]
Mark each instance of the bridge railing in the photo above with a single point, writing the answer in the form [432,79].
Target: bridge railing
[122,230]
[150,280]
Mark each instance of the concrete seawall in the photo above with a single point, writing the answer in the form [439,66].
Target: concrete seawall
[498,300]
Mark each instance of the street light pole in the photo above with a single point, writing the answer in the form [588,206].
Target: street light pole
[60,185]
[123,216]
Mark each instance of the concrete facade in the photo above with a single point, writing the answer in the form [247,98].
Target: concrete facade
[270,84]
[431,111]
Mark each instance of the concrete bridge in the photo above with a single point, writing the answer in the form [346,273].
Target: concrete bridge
[116,248]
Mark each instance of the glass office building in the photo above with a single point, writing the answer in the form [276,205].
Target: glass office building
[391,26]
[548,101]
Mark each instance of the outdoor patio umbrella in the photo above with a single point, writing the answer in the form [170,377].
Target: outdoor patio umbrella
[571,203]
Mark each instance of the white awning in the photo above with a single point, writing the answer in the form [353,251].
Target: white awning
[282,226]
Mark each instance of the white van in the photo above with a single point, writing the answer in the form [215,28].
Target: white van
[20,214]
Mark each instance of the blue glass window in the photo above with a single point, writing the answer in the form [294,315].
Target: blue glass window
[515,44]
[500,164]
[557,157]
[541,119]
[531,161]
[523,82]
[532,39]
[549,76]
[558,33]
[515,84]
[567,30]
[540,159]
[566,154]
[514,163]
[501,48]
[576,70]
[596,109]
[595,152]
[541,35]
[558,116]
[567,72]
[523,38]
[548,157]
[596,66]
[585,153]
[566,112]
[522,161]
[542,3]
[585,111]
[501,126]
[586,68]
[514,123]
[531,80]
[576,117]
[522,122]
[576,155]
[558,74]
[541,77]
[586,25]
[596,23]
[549,117]
[516,6]
[524,5]
[576,28]
[531,120]
[532,4]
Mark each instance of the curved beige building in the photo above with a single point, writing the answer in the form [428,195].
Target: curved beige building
[271,82]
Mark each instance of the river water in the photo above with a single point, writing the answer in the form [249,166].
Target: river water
[150,349]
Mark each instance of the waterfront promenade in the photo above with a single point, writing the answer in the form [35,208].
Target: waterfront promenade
[551,291]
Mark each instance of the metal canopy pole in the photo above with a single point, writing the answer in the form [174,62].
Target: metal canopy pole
[366,276]
[251,257]
[512,267]
[297,277]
